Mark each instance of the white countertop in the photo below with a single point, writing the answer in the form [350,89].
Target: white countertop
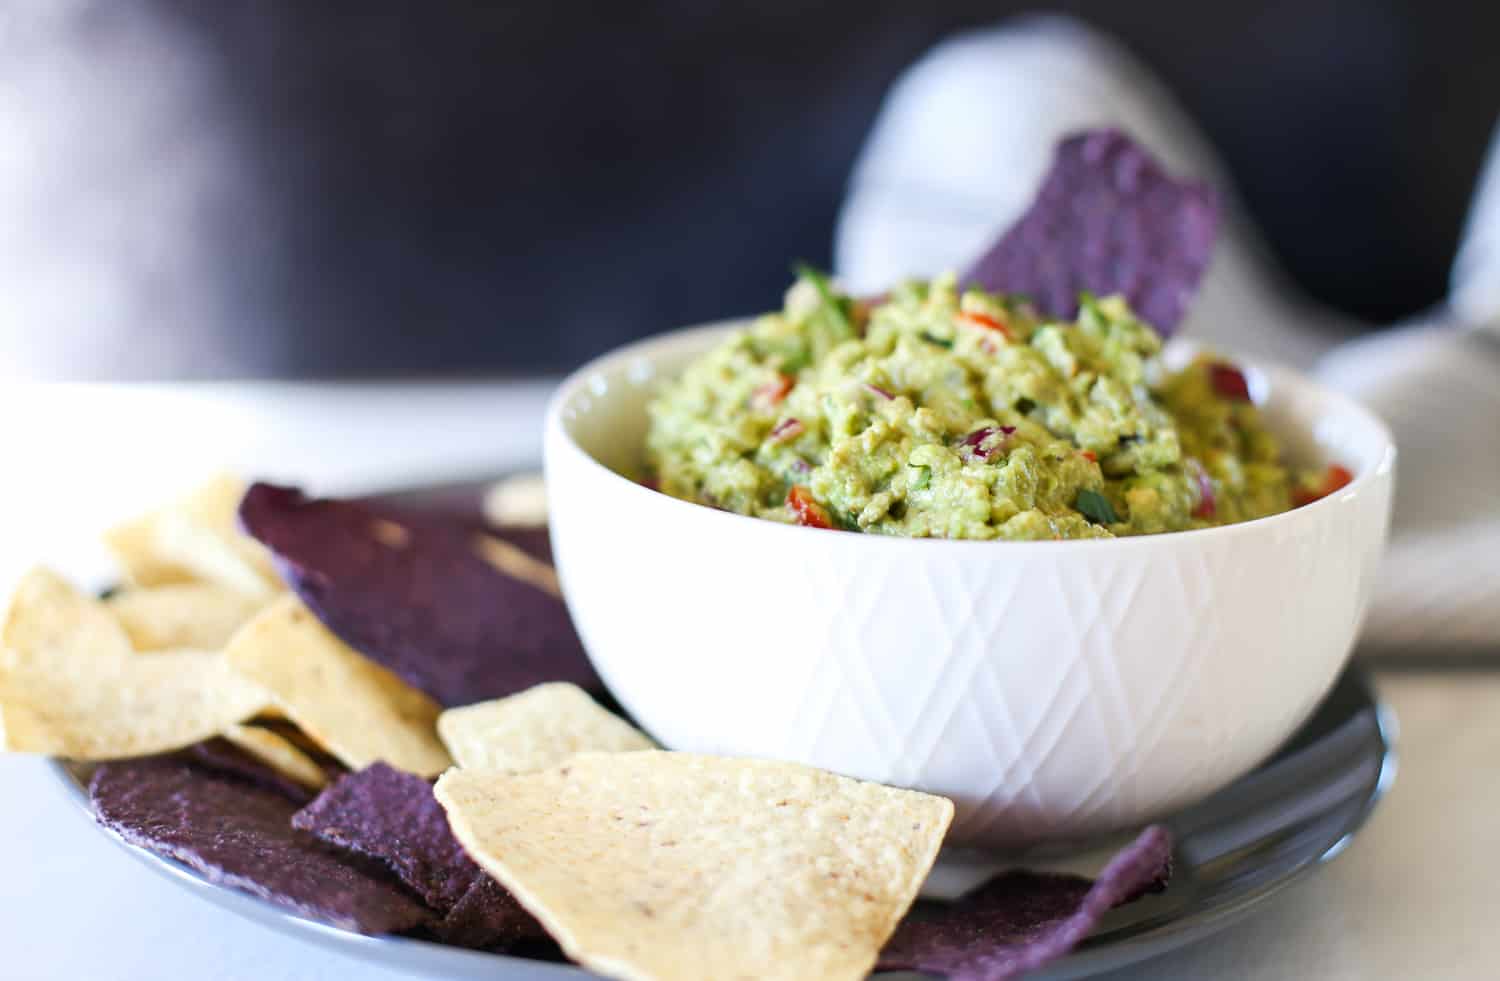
[1413,896]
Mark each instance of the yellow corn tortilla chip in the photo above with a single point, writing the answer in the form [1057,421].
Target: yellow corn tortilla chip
[519,500]
[197,616]
[90,708]
[49,622]
[279,753]
[196,539]
[666,866]
[535,729]
[357,709]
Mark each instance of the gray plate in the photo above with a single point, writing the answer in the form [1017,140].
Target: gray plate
[1234,852]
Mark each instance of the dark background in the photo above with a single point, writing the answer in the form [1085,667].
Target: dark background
[482,187]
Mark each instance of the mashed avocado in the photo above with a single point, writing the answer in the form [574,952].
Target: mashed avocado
[944,415]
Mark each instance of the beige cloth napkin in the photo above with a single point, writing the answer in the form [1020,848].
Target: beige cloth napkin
[957,152]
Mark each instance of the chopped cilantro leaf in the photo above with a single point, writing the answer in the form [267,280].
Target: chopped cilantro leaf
[835,307]
[1096,507]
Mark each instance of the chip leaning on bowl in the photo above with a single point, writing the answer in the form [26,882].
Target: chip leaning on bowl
[946,414]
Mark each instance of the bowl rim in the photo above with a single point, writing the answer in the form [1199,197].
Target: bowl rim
[652,348]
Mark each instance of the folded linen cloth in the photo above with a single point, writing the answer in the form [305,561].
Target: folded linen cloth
[955,156]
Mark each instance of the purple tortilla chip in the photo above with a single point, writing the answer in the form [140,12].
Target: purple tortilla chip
[1021,920]
[536,542]
[461,505]
[1108,219]
[222,756]
[417,599]
[390,815]
[488,917]
[240,836]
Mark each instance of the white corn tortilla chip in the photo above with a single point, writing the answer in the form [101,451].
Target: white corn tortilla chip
[519,501]
[535,729]
[196,539]
[357,709]
[279,753]
[88,708]
[667,866]
[49,622]
[198,616]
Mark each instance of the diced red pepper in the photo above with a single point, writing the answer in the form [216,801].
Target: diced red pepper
[1229,382]
[1335,478]
[987,322]
[1090,456]
[771,394]
[808,511]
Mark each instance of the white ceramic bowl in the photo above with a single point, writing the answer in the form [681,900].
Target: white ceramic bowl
[1053,690]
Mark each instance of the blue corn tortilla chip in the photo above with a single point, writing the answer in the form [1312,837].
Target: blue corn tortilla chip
[462,504]
[1021,920]
[536,542]
[239,835]
[222,756]
[1108,219]
[488,917]
[413,594]
[392,816]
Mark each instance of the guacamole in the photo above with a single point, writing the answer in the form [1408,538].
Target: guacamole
[939,414]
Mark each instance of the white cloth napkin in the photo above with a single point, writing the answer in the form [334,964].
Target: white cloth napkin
[961,145]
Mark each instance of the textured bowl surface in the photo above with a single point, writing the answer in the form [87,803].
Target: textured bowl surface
[1053,690]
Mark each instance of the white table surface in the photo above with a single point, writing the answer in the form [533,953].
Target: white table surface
[1413,897]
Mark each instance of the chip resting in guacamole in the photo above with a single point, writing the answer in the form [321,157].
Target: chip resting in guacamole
[940,413]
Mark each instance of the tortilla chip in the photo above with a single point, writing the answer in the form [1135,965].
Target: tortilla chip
[360,711]
[239,835]
[430,608]
[488,917]
[50,625]
[538,728]
[1022,920]
[519,501]
[512,560]
[198,616]
[93,708]
[391,816]
[221,756]
[1108,219]
[669,865]
[535,542]
[278,753]
[196,539]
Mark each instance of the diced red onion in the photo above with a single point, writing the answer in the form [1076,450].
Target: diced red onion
[876,389]
[974,441]
[786,429]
